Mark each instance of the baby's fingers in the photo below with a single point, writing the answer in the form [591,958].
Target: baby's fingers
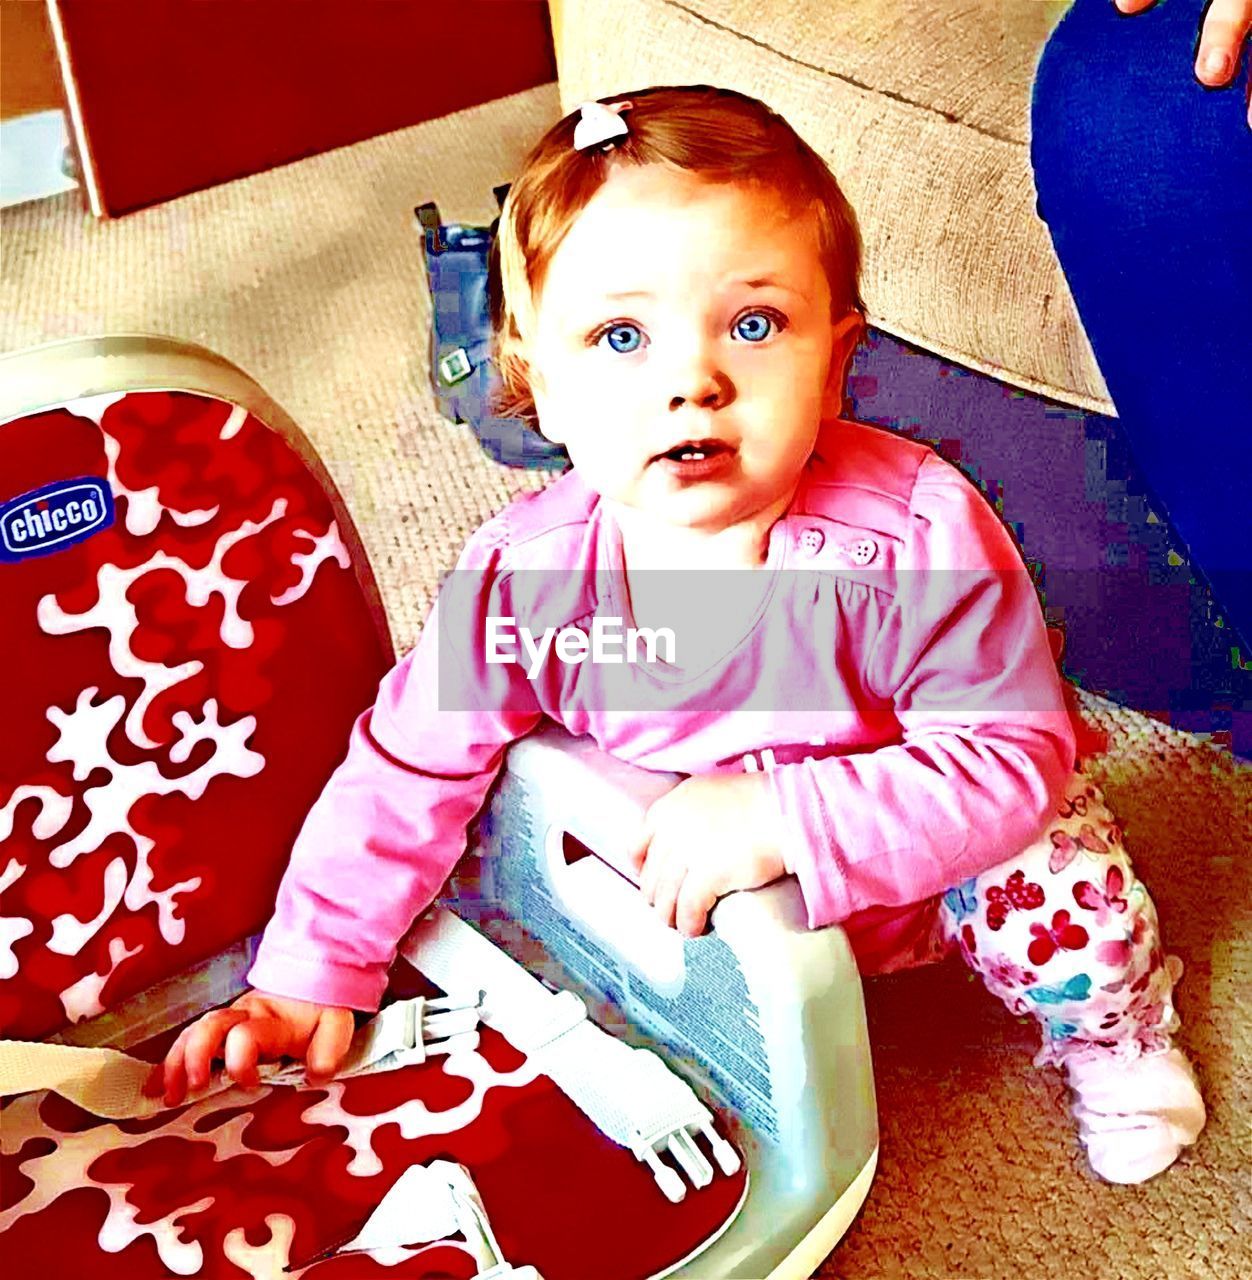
[664,885]
[167,1080]
[190,1057]
[696,898]
[329,1044]
[203,1043]
[640,842]
[660,874]
[249,1042]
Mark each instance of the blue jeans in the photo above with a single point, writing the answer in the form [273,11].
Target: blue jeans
[1144,178]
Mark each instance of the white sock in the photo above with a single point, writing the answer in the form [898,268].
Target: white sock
[1134,1117]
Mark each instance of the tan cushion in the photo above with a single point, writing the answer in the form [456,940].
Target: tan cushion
[922,110]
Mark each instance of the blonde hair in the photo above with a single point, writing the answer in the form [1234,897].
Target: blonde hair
[717,134]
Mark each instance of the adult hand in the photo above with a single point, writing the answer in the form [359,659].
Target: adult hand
[257,1027]
[1223,36]
[707,837]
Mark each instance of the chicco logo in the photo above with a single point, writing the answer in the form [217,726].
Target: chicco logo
[54,517]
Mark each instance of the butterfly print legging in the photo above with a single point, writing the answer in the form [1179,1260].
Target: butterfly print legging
[1065,932]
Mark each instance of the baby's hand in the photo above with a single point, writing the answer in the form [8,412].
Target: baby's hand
[257,1027]
[707,837]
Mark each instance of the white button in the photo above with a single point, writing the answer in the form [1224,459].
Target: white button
[863,552]
[811,541]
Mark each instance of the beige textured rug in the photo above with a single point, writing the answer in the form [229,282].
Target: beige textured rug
[309,278]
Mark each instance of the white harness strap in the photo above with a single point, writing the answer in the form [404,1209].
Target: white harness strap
[106,1082]
[429,1203]
[109,1083]
[630,1095]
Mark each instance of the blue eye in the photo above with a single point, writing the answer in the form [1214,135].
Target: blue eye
[754,326]
[623,338]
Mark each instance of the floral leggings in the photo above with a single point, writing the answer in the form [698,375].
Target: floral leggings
[1064,931]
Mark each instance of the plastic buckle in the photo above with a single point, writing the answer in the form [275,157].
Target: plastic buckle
[666,1116]
[455,367]
[405,1033]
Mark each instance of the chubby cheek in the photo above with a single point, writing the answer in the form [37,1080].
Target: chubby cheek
[603,461]
[788,410]
[572,392]
[595,439]
[779,426]
[599,425]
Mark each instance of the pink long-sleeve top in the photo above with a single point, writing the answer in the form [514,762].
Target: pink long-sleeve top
[888,667]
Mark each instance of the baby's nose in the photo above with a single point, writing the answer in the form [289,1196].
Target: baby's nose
[707,390]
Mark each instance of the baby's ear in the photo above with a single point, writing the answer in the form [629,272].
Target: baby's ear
[846,337]
[546,422]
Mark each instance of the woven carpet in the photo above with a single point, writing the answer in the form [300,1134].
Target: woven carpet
[309,278]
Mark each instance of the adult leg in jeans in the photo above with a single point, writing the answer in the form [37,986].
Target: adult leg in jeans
[1144,177]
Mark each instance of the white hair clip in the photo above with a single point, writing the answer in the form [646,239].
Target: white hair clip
[600,123]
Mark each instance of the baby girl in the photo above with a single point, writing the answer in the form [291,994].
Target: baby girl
[863,694]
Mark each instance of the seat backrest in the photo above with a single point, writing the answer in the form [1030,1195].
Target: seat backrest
[189,629]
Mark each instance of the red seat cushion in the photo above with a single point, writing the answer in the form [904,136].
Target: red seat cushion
[241,1185]
[178,684]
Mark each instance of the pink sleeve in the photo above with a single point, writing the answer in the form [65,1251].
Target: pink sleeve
[962,652]
[391,822]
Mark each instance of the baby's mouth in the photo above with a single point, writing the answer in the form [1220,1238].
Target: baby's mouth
[694,451]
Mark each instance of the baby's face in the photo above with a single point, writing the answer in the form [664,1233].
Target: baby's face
[683,347]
